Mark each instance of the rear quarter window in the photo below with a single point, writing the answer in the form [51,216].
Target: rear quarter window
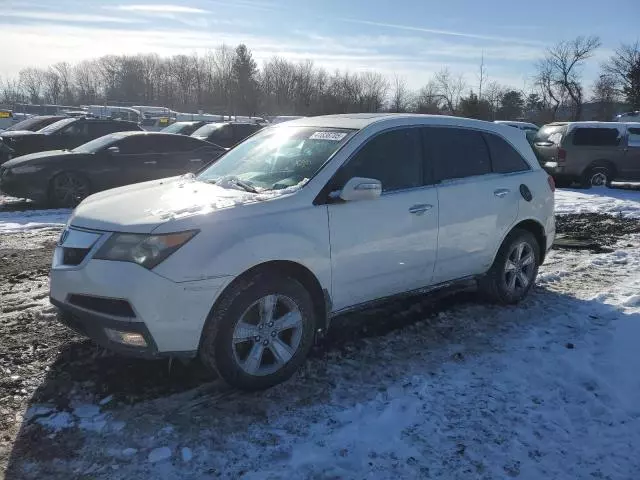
[596,137]
[634,137]
[504,158]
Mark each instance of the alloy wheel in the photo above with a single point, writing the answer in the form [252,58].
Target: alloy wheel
[267,335]
[69,189]
[519,267]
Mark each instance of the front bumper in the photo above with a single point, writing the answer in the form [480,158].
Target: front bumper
[16,186]
[167,314]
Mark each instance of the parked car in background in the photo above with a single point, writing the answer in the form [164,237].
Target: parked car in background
[246,262]
[183,128]
[6,119]
[591,153]
[226,134]
[628,117]
[63,134]
[33,124]
[62,178]
[530,129]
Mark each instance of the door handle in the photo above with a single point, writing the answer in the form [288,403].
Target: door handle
[420,208]
[152,162]
[195,160]
[501,192]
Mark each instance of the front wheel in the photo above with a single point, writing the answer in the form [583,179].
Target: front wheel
[514,269]
[260,332]
[68,189]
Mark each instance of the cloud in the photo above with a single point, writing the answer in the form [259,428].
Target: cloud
[65,17]
[158,8]
[442,32]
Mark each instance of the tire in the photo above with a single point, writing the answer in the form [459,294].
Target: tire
[597,177]
[250,349]
[68,189]
[508,287]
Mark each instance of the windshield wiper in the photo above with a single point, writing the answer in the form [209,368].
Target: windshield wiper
[246,186]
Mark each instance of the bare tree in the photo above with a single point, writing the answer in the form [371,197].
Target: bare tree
[562,66]
[493,95]
[399,96]
[624,68]
[605,94]
[374,90]
[450,88]
[52,86]
[428,99]
[32,81]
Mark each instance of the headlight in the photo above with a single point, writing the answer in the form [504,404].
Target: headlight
[26,169]
[145,250]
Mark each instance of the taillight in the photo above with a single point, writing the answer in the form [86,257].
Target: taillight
[552,183]
[562,154]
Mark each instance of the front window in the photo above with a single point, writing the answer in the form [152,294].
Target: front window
[98,144]
[56,126]
[277,158]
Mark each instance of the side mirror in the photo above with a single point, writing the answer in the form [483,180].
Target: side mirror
[359,188]
[113,150]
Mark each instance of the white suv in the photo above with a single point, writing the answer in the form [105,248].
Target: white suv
[244,264]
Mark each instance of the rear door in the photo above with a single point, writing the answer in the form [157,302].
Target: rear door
[632,154]
[477,205]
[74,135]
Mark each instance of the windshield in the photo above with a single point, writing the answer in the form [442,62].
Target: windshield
[98,144]
[180,127]
[277,157]
[54,127]
[27,124]
[551,134]
[206,130]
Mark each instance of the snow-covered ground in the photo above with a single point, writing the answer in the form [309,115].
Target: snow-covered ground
[612,201]
[547,389]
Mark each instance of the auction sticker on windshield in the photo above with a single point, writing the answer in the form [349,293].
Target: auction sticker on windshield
[332,136]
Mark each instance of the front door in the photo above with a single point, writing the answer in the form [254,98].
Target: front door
[477,204]
[384,246]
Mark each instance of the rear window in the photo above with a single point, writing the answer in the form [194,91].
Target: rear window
[550,134]
[504,158]
[596,137]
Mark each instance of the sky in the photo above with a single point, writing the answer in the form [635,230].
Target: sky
[411,39]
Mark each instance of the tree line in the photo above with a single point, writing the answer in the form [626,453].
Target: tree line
[228,80]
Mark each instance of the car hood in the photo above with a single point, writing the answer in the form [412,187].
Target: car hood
[142,207]
[18,133]
[40,157]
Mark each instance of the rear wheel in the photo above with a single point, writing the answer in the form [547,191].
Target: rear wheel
[260,332]
[68,189]
[514,269]
[597,177]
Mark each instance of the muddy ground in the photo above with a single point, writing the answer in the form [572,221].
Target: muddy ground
[34,346]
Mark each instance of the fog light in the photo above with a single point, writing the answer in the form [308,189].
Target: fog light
[127,338]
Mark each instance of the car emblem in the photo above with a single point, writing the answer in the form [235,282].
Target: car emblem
[63,236]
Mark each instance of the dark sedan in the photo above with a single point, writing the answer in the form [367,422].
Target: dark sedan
[65,133]
[62,178]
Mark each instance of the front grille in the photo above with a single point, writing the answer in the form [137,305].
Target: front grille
[74,256]
[108,306]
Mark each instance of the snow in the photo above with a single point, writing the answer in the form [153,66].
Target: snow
[159,454]
[612,201]
[13,222]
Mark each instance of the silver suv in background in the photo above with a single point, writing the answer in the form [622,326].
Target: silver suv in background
[591,153]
